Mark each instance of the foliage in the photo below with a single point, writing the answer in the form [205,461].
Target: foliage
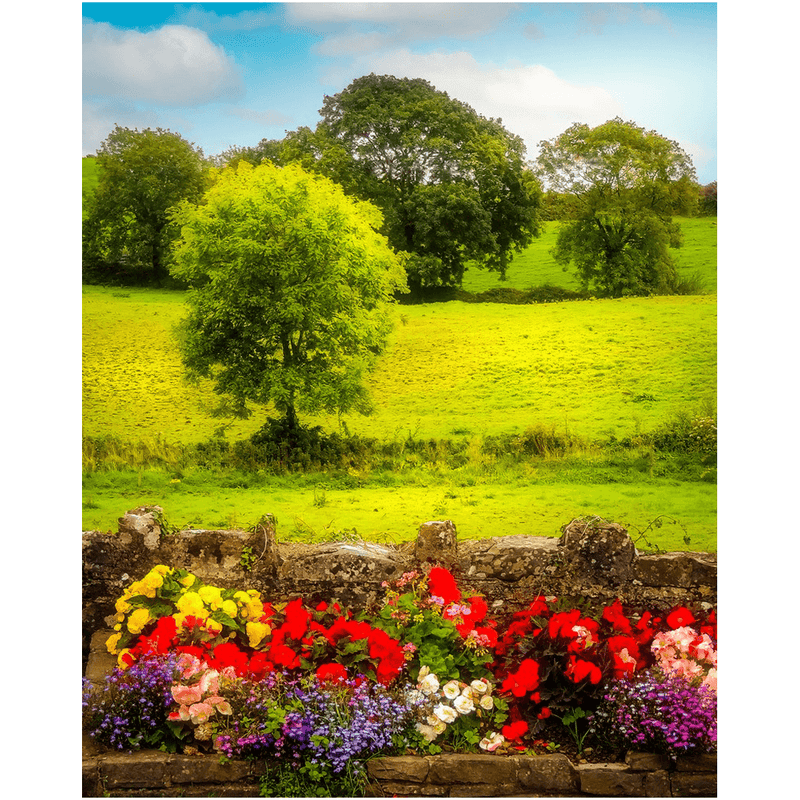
[661,714]
[290,291]
[707,205]
[141,176]
[629,183]
[452,184]
[443,633]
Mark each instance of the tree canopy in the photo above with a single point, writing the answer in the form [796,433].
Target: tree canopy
[627,183]
[289,290]
[452,185]
[141,176]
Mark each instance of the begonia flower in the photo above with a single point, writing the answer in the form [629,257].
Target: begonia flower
[464,704]
[442,584]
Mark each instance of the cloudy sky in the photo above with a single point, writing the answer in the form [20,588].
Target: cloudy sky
[224,74]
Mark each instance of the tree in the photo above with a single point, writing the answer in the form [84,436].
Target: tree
[708,200]
[289,290]
[628,183]
[452,185]
[142,175]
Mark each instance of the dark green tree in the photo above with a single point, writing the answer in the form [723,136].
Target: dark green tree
[142,175]
[290,286]
[627,184]
[708,200]
[452,185]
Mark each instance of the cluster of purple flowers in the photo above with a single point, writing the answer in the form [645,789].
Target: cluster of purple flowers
[664,714]
[328,724]
[132,706]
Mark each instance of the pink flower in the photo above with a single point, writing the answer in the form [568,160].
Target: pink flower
[189,665]
[220,704]
[200,712]
[186,695]
[711,679]
[209,682]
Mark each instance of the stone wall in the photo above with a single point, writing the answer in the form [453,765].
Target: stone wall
[155,774]
[592,559]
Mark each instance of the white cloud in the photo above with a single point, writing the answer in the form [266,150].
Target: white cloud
[98,121]
[174,66]
[594,17]
[700,155]
[199,17]
[405,20]
[533,102]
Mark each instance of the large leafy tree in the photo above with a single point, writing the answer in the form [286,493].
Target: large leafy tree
[627,184]
[141,176]
[453,186]
[289,290]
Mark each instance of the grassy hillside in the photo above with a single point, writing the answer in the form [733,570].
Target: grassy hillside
[596,368]
[535,266]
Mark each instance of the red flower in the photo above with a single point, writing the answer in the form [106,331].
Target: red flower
[616,617]
[490,634]
[323,606]
[524,680]
[284,656]
[479,609]
[562,623]
[259,666]
[333,673]
[516,730]
[544,713]
[679,617]
[297,619]
[442,584]
[228,654]
[579,669]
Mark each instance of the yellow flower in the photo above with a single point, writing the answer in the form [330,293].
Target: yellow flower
[162,570]
[212,597]
[213,627]
[120,662]
[187,580]
[122,606]
[153,580]
[138,620]
[112,642]
[256,631]
[140,587]
[229,607]
[192,603]
[242,598]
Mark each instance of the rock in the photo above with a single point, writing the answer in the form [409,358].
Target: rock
[436,543]
[610,780]
[599,548]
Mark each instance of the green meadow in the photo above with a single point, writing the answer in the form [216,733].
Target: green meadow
[459,376]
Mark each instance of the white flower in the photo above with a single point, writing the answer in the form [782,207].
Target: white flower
[491,742]
[481,687]
[424,672]
[429,684]
[451,690]
[428,733]
[445,713]
[487,702]
[464,705]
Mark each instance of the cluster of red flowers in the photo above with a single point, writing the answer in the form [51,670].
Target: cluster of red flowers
[468,614]
[298,640]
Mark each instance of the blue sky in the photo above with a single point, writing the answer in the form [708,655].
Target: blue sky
[226,74]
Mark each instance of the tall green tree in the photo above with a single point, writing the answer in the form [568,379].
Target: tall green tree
[627,184]
[142,175]
[290,286]
[452,185]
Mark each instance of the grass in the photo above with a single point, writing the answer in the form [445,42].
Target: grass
[536,267]
[596,371]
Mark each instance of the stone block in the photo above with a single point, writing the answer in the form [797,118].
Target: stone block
[205,769]
[398,768]
[684,570]
[506,558]
[90,781]
[646,762]
[702,762]
[144,770]
[437,543]
[553,772]
[656,784]
[101,662]
[610,780]
[483,790]
[600,549]
[694,784]
[468,769]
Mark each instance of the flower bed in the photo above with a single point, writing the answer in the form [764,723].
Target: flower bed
[314,694]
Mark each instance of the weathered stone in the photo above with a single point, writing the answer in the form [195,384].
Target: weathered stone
[601,548]
[101,662]
[143,522]
[398,768]
[702,762]
[400,789]
[552,772]
[205,769]
[344,562]
[679,569]
[437,543]
[694,784]
[646,762]
[451,768]
[506,558]
[656,784]
[610,780]
[482,790]
[147,769]
[90,780]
